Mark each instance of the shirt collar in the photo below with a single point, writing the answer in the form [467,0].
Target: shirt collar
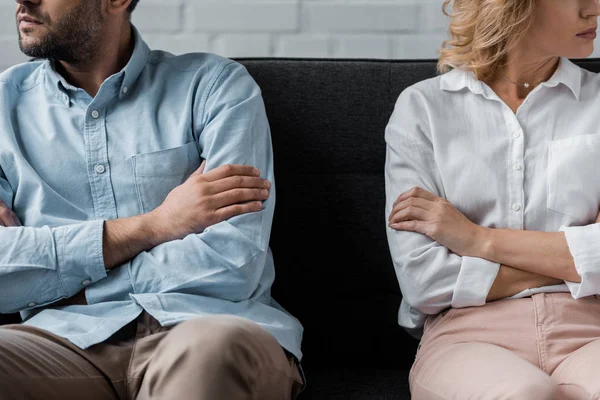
[567,74]
[127,76]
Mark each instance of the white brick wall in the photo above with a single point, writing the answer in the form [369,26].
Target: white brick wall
[280,28]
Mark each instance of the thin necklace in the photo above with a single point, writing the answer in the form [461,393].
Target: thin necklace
[525,85]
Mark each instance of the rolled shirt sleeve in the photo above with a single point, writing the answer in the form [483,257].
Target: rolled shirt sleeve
[39,266]
[431,277]
[227,260]
[584,244]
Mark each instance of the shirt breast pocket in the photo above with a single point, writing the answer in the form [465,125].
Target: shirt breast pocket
[573,177]
[159,172]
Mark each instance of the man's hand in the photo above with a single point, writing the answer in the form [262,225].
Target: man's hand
[7,216]
[208,198]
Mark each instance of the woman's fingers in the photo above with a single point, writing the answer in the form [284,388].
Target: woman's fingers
[414,202]
[416,192]
[410,213]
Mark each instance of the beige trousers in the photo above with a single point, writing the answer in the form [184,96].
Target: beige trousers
[212,358]
[540,348]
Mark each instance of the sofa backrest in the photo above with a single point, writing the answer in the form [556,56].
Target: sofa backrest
[334,270]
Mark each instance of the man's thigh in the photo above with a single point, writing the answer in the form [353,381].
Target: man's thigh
[35,364]
[216,358]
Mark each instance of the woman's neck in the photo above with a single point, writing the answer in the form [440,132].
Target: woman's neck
[521,75]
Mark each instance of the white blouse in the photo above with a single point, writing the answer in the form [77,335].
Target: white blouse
[536,170]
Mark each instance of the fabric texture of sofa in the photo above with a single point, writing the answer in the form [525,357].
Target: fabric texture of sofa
[334,270]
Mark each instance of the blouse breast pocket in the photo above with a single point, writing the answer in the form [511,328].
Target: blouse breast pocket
[574,177]
[159,172]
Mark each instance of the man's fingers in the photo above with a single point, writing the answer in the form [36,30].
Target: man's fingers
[16,221]
[238,182]
[237,196]
[225,213]
[200,170]
[7,216]
[228,170]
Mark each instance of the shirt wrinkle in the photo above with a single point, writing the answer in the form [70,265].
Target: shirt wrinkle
[509,182]
[87,163]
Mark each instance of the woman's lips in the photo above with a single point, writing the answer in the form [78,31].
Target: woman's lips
[589,34]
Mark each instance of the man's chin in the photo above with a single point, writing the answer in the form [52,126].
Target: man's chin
[29,45]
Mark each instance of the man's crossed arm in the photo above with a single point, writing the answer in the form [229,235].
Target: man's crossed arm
[203,200]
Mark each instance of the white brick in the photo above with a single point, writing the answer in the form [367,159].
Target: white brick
[253,45]
[303,46]
[363,46]
[417,46]
[11,54]
[244,17]
[432,17]
[596,47]
[325,17]
[8,20]
[285,28]
[178,44]
[158,18]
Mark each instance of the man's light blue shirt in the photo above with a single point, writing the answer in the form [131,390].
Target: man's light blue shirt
[68,162]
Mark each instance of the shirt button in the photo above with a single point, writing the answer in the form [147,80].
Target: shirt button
[95,114]
[517,135]
[99,169]
[87,282]
[517,167]
[516,207]
[31,304]
[125,90]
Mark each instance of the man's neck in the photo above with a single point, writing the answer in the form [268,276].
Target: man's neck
[110,59]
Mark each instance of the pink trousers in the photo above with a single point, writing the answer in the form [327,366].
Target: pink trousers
[539,348]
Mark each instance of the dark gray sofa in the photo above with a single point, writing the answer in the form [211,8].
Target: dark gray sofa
[333,266]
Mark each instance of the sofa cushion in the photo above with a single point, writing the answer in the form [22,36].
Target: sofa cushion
[357,384]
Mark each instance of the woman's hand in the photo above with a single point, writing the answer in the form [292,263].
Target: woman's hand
[419,210]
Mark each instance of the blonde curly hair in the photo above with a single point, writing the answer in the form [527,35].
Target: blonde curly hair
[482,32]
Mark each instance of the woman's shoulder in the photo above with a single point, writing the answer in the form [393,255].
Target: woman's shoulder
[590,84]
[434,91]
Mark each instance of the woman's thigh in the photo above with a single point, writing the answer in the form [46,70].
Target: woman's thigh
[464,371]
[578,376]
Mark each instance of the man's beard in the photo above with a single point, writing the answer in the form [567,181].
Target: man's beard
[74,39]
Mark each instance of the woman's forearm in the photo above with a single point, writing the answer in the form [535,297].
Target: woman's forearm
[542,253]
[511,281]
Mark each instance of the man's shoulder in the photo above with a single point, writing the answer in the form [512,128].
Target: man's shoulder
[190,62]
[22,77]
[205,71]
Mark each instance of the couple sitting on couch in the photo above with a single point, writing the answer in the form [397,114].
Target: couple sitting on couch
[143,272]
